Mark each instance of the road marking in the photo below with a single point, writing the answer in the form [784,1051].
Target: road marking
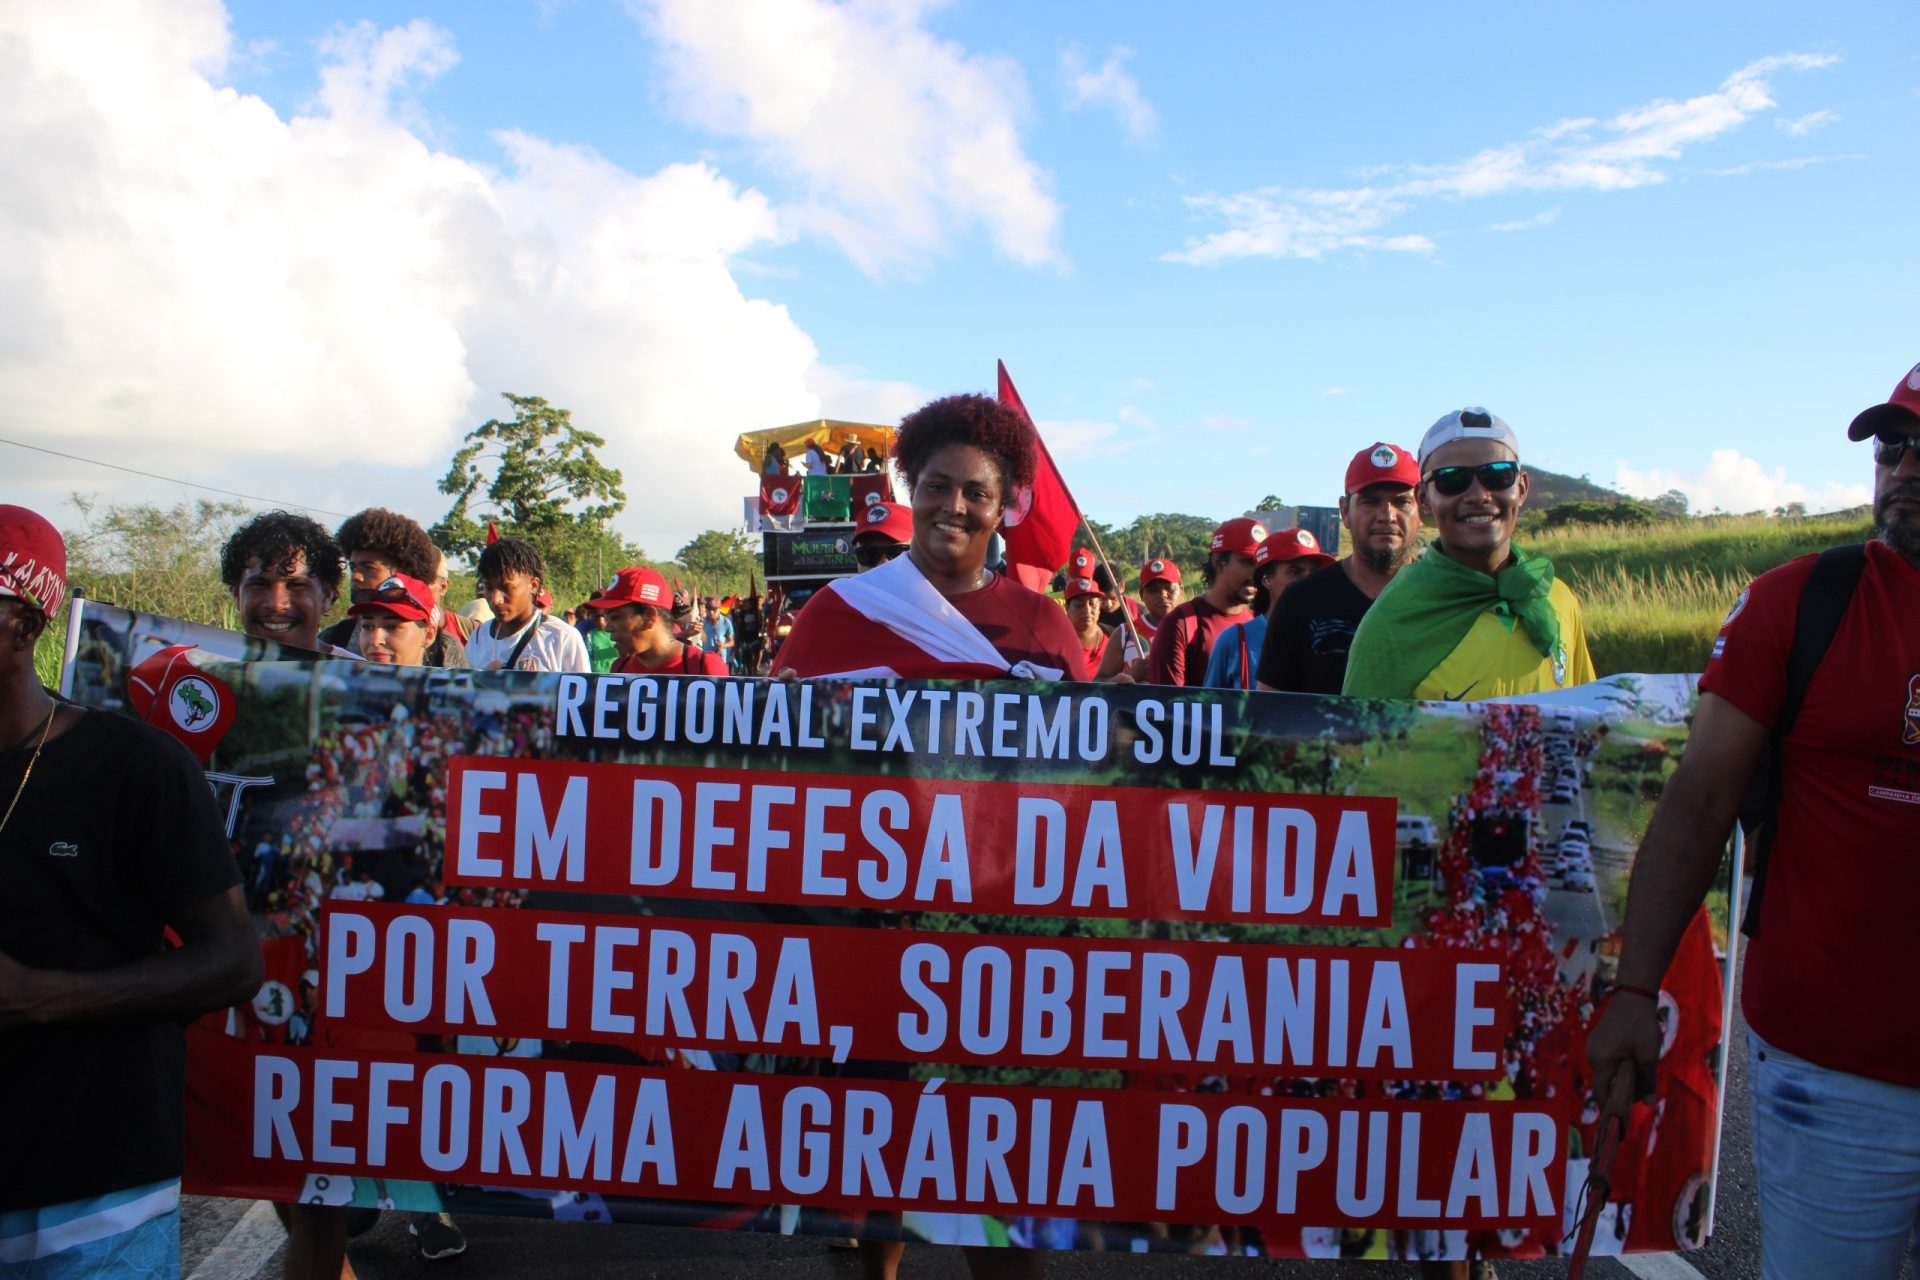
[1657,1266]
[246,1248]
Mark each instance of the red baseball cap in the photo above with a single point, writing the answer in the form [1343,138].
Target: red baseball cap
[1899,415]
[1382,463]
[401,596]
[1243,536]
[1077,587]
[33,560]
[890,520]
[1291,544]
[1081,566]
[1159,571]
[639,585]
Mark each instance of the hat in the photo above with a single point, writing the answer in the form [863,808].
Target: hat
[1081,566]
[543,599]
[1381,463]
[401,596]
[1077,587]
[890,520]
[1243,535]
[1472,423]
[33,560]
[639,585]
[1291,544]
[476,610]
[1900,414]
[1159,571]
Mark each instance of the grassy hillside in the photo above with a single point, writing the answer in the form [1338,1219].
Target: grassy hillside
[1548,489]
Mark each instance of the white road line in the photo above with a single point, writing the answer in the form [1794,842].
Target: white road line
[247,1247]
[1657,1266]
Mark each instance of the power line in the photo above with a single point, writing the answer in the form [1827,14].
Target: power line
[134,471]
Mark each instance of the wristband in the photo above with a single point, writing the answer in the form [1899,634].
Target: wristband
[1627,988]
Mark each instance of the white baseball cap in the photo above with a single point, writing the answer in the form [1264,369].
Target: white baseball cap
[1471,423]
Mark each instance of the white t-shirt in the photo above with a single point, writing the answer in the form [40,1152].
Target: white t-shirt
[556,646]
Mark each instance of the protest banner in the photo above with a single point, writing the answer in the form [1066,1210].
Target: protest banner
[1065,966]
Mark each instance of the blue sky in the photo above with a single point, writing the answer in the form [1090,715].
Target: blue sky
[296,250]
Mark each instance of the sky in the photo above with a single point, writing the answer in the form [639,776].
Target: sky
[297,251]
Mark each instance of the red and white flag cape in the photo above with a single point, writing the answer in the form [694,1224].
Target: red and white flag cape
[891,622]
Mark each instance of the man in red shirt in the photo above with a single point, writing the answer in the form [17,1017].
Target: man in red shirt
[1184,641]
[635,611]
[1832,985]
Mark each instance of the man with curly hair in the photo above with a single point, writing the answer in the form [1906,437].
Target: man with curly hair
[284,571]
[380,544]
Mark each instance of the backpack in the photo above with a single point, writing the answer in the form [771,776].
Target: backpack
[1823,603]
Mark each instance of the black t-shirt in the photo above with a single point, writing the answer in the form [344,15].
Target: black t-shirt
[1310,631]
[115,832]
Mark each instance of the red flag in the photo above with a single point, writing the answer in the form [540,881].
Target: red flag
[493,534]
[170,693]
[1040,538]
[779,495]
[870,487]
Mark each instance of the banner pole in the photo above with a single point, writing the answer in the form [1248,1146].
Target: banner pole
[72,648]
[1126,614]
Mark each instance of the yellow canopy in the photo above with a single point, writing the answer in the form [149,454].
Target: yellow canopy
[830,433]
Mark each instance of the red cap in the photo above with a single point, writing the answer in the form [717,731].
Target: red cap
[1159,571]
[892,521]
[33,560]
[639,585]
[1382,463]
[1899,415]
[1081,566]
[401,596]
[1291,544]
[1243,536]
[1077,587]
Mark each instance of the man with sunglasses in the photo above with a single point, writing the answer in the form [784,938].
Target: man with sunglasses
[1475,617]
[885,530]
[1830,991]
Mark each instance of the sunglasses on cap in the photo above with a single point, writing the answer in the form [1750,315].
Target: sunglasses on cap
[1494,477]
[1888,450]
[873,555]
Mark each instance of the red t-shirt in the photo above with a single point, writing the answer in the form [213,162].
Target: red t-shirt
[1183,641]
[1096,652]
[693,661]
[1022,625]
[1832,975]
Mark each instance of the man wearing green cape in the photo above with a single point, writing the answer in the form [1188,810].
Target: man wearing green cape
[1475,617]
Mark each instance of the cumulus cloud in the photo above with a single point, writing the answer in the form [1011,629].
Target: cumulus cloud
[204,288]
[1731,481]
[1077,439]
[897,139]
[1110,86]
[1633,148]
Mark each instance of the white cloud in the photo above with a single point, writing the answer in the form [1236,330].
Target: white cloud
[1731,481]
[898,139]
[1075,440]
[1110,86]
[1630,149]
[200,287]
[1546,219]
[1779,166]
[1801,126]
[1334,391]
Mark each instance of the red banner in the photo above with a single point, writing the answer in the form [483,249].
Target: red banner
[779,495]
[1026,848]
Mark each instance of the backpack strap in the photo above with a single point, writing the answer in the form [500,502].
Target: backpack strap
[526,638]
[1823,604]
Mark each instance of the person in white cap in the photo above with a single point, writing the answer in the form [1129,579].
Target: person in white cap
[1475,617]
[1833,1047]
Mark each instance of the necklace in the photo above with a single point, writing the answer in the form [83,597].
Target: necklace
[44,731]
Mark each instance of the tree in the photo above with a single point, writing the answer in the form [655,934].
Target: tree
[1671,503]
[718,561]
[536,477]
[1272,502]
[154,559]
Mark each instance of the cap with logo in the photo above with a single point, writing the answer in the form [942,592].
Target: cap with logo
[891,521]
[1077,587]
[33,560]
[1081,565]
[401,596]
[1900,415]
[1471,423]
[1159,571]
[1382,463]
[639,585]
[1291,544]
[1242,536]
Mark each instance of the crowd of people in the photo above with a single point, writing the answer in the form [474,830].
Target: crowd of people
[1471,617]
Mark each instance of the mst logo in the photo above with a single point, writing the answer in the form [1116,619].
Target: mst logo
[1910,717]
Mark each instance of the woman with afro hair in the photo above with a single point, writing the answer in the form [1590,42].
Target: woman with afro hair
[938,612]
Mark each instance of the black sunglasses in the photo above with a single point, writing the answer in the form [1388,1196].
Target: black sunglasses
[873,555]
[1494,477]
[1888,450]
